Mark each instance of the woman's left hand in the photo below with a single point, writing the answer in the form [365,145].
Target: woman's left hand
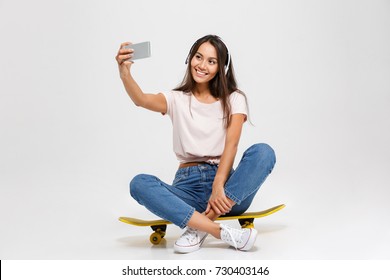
[219,202]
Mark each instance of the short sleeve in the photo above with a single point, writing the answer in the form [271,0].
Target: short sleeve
[169,98]
[238,103]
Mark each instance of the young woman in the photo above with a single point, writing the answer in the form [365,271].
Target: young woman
[207,112]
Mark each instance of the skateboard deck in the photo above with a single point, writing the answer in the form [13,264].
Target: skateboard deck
[159,227]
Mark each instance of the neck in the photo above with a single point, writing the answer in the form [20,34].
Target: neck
[202,89]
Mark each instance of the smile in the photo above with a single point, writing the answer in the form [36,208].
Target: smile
[201,73]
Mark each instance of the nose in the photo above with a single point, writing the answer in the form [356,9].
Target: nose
[202,64]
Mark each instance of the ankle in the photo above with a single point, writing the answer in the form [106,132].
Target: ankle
[216,231]
[212,215]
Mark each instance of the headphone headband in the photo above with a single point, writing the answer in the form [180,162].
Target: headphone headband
[227,53]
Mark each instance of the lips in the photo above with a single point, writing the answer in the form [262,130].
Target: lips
[200,73]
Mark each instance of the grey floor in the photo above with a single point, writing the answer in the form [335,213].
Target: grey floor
[333,224]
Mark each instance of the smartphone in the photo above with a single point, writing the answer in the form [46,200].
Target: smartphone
[141,50]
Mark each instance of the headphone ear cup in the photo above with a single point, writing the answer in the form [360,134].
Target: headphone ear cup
[228,60]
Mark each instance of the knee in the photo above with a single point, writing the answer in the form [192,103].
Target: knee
[264,152]
[139,185]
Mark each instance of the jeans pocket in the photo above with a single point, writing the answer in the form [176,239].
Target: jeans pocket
[180,176]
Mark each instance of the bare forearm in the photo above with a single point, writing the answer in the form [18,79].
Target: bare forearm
[230,150]
[218,202]
[132,89]
[123,59]
[226,164]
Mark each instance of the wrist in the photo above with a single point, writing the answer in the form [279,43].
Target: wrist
[218,186]
[219,181]
[125,75]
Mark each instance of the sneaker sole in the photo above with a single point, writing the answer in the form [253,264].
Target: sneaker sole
[188,249]
[251,241]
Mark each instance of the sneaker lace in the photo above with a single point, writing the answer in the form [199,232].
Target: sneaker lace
[233,234]
[190,234]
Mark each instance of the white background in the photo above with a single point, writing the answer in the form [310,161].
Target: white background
[317,77]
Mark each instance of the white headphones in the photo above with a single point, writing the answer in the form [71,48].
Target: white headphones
[226,67]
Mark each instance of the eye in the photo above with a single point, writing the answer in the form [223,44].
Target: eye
[198,57]
[212,62]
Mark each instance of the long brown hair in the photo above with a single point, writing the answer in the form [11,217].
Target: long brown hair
[223,84]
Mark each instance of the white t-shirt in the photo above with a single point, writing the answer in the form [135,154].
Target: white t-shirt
[198,128]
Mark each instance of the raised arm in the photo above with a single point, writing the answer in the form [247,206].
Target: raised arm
[153,102]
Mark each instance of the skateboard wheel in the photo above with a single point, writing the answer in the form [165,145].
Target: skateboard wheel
[155,238]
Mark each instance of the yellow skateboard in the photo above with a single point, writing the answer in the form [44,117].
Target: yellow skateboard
[159,227]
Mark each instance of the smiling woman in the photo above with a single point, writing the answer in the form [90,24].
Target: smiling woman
[204,65]
[210,55]
[207,112]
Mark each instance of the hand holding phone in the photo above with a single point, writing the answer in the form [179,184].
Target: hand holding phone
[141,50]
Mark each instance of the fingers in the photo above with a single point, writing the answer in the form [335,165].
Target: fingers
[125,44]
[207,209]
[219,202]
[124,54]
[220,206]
[123,58]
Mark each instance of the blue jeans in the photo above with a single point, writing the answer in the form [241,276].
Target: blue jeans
[192,186]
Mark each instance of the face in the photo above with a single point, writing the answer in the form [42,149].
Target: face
[204,64]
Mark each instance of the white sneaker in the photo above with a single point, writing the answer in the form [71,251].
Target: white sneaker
[241,239]
[190,241]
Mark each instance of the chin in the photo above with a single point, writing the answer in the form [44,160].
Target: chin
[200,80]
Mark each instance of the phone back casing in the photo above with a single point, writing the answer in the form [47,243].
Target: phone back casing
[141,50]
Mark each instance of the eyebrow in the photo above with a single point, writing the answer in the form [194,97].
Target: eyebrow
[209,57]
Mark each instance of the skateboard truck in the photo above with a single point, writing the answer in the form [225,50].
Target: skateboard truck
[158,234]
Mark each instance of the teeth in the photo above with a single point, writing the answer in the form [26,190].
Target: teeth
[200,73]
